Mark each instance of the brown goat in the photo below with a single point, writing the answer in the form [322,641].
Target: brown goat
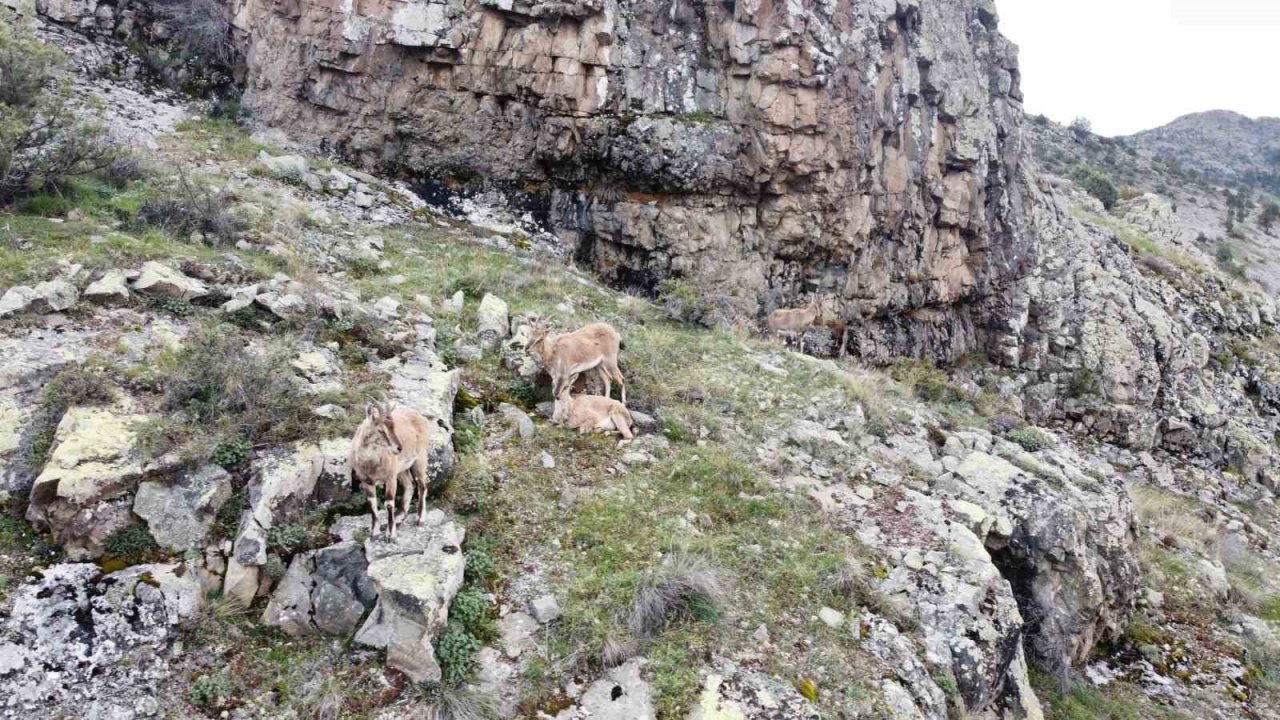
[797,321]
[391,446]
[586,413]
[565,356]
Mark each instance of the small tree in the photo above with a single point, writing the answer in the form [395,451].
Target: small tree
[42,142]
[1270,213]
[1081,126]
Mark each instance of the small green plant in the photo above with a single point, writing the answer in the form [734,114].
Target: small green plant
[173,306]
[675,431]
[472,610]
[466,438]
[456,652]
[275,567]
[289,538]
[363,267]
[1031,439]
[208,690]
[132,543]
[480,568]
[232,453]
[523,392]
[227,521]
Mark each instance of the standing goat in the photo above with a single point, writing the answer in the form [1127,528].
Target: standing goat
[565,356]
[391,446]
[586,413]
[796,322]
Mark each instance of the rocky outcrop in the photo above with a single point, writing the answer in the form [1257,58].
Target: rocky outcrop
[415,579]
[179,513]
[284,487]
[325,591]
[761,151]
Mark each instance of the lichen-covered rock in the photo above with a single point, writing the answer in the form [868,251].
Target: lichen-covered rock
[56,296]
[415,579]
[622,694]
[159,279]
[420,381]
[179,513]
[17,299]
[81,495]
[72,632]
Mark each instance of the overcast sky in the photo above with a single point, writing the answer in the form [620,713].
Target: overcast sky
[1131,65]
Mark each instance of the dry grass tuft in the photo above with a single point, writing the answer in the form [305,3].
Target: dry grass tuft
[684,587]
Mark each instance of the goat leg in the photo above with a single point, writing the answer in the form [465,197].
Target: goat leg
[371,492]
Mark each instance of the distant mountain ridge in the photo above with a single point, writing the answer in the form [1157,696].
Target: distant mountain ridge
[1220,146]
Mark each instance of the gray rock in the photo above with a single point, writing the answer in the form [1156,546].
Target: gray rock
[17,299]
[386,308]
[157,279]
[492,321]
[180,514]
[111,288]
[324,591]
[545,608]
[467,354]
[622,694]
[415,579]
[56,296]
[284,167]
[520,421]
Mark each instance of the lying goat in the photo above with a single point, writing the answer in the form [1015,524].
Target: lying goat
[391,447]
[565,356]
[796,322]
[586,413]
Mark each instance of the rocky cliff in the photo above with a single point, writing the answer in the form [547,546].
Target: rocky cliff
[763,151]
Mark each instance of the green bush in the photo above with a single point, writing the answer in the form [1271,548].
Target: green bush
[208,689]
[1031,439]
[472,610]
[1098,184]
[479,567]
[44,143]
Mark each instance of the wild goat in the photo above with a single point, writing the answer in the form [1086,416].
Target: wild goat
[391,446]
[586,413]
[565,356]
[798,321]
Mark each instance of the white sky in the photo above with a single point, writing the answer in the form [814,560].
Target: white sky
[1131,65]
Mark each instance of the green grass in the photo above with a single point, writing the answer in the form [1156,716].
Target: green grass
[1118,701]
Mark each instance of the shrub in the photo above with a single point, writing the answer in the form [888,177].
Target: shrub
[131,543]
[456,702]
[207,690]
[472,610]
[683,302]
[1031,439]
[43,142]
[1097,183]
[684,587]
[224,395]
[189,209]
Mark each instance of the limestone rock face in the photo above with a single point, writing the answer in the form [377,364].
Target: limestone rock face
[762,151]
[81,495]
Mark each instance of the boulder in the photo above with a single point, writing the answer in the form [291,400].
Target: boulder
[415,579]
[284,306]
[81,495]
[56,296]
[324,591]
[179,514]
[520,421]
[284,167]
[17,299]
[492,321]
[158,279]
[423,383]
[111,288]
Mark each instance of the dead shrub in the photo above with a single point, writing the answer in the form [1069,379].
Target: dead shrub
[684,587]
